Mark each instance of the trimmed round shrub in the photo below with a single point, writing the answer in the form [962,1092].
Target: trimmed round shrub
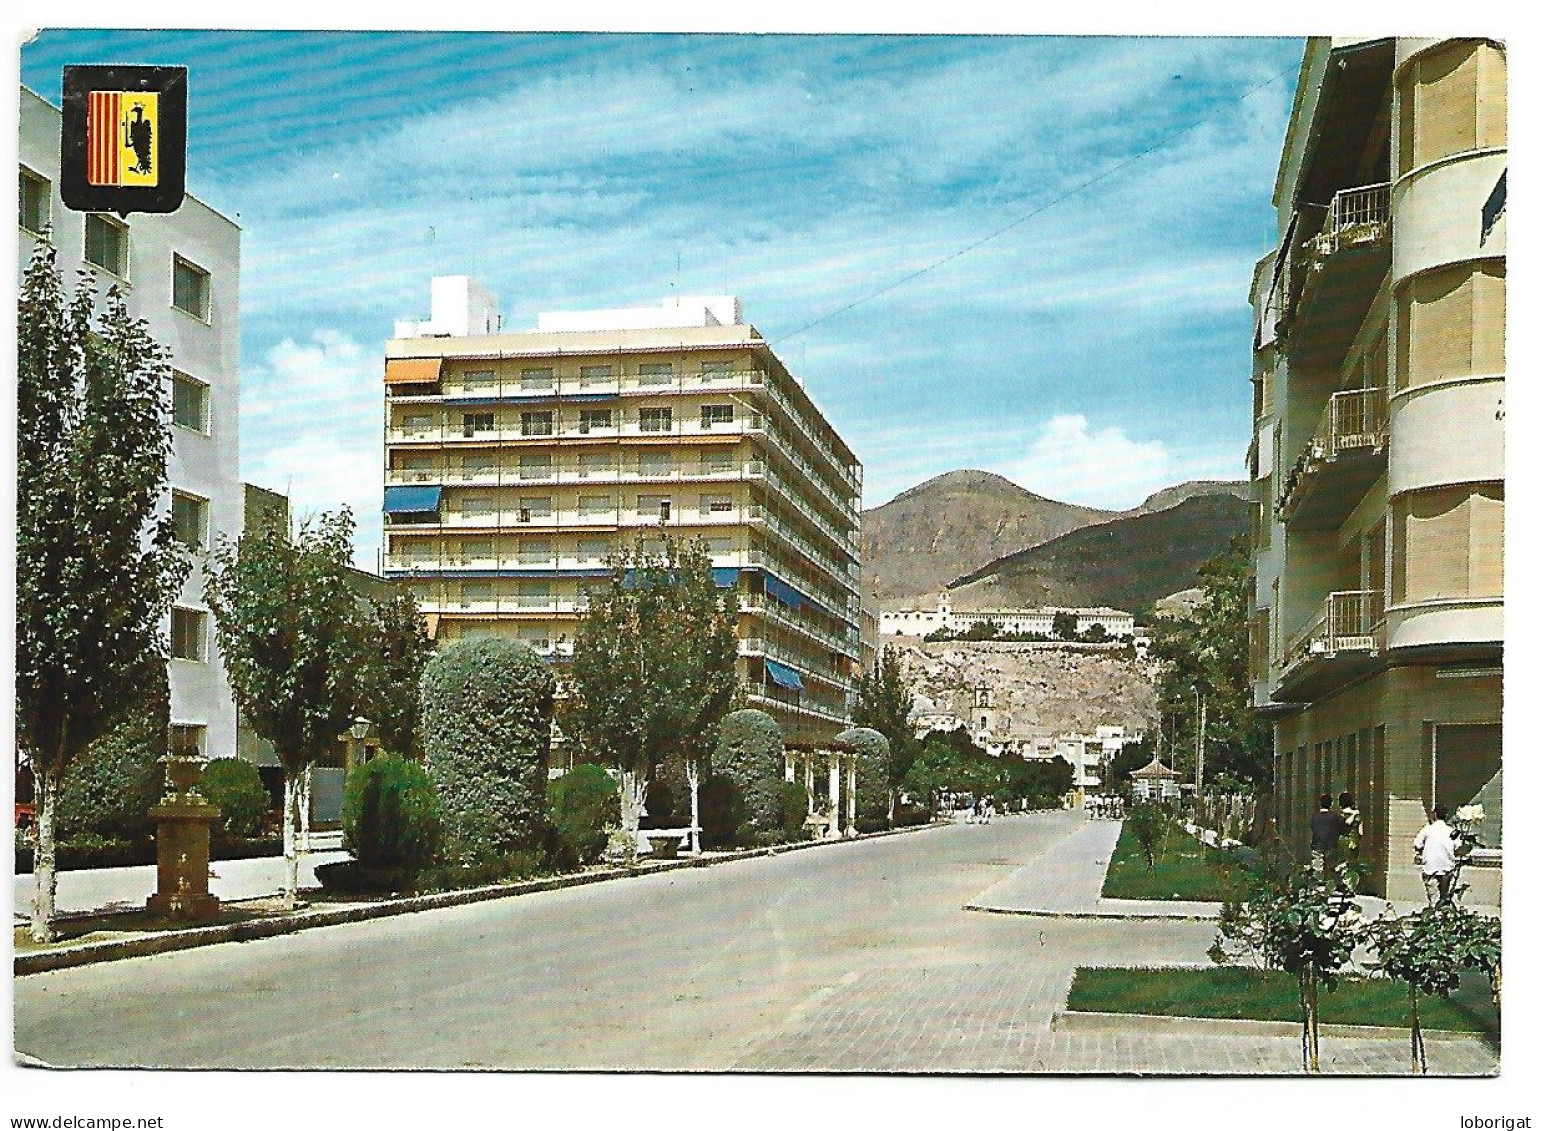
[792,810]
[486,719]
[750,755]
[871,773]
[390,818]
[235,786]
[584,803]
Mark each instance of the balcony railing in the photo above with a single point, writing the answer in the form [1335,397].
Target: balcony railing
[1354,421]
[1349,621]
[1356,216]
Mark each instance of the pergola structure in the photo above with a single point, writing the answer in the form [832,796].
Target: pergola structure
[834,762]
[1154,780]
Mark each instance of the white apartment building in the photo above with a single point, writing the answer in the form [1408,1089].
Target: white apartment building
[180,272]
[517,463]
[1022,621]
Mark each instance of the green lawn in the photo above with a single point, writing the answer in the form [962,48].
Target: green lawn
[1185,869]
[1268,995]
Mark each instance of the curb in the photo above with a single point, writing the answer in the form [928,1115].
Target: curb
[1156,1024]
[1046,913]
[165,942]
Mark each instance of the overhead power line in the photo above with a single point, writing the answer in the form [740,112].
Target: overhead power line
[1044,207]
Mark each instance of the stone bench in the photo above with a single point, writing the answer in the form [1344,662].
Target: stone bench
[665,844]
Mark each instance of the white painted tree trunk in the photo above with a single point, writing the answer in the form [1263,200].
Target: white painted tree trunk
[633,800]
[305,808]
[693,775]
[45,873]
[291,853]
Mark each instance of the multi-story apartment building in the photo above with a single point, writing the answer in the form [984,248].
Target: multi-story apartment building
[180,272]
[1378,450]
[517,463]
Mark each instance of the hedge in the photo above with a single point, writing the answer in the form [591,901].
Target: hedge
[486,720]
[751,756]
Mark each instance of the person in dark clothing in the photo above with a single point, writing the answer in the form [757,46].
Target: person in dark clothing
[1326,828]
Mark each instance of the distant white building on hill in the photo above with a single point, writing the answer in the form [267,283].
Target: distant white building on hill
[1019,622]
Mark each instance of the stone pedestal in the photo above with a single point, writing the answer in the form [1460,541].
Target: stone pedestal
[182,823]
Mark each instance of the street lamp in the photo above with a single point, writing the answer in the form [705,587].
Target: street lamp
[360,728]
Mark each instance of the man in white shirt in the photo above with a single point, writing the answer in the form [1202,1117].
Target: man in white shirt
[1435,847]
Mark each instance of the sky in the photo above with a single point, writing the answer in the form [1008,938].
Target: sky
[845,188]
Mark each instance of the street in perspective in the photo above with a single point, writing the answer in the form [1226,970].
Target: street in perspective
[705,565]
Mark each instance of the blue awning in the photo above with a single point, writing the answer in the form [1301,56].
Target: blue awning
[781,591]
[412,500]
[725,577]
[783,676]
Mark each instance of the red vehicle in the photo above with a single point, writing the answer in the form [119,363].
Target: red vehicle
[26,816]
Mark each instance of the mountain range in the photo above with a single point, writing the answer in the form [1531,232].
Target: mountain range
[996,544]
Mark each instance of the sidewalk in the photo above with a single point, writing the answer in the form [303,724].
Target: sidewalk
[1066,882]
[121,889]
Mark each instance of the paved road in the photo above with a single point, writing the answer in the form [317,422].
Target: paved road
[850,957]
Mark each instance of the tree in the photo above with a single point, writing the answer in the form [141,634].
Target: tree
[1065,625]
[1427,952]
[884,702]
[751,755]
[951,762]
[1299,921]
[1204,660]
[96,567]
[400,649]
[653,668]
[486,714]
[1147,820]
[293,639]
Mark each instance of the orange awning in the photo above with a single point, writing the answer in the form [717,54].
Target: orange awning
[412,370]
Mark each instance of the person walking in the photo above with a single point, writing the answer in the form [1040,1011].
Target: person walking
[1326,828]
[1434,849]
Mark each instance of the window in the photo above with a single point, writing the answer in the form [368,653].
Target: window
[475,422]
[595,463]
[107,244]
[535,551]
[716,414]
[189,740]
[1467,768]
[595,504]
[417,424]
[723,545]
[417,550]
[537,380]
[1450,323]
[595,375]
[189,629]
[479,381]
[190,519]
[594,549]
[716,463]
[537,636]
[473,506]
[476,550]
[476,632]
[1449,544]
[535,467]
[657,419]
[591,418]
[655,373]
[534,594]
[189,288]
[1453,99]
[478,465]
[655,463]
[654,506]
[716,504]
[189,402]
[716,369]
[535,424]
[476,592]
[536,506]
[35,201]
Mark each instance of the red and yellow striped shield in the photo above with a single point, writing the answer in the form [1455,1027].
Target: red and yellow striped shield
[122,138]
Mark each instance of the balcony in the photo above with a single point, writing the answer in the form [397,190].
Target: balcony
[1335,273]
[1343,458]
[1343,641]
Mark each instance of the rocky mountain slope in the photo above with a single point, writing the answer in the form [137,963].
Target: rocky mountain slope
[1127,562]
[916,543]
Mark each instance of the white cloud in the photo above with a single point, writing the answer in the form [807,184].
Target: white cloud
[311,428]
